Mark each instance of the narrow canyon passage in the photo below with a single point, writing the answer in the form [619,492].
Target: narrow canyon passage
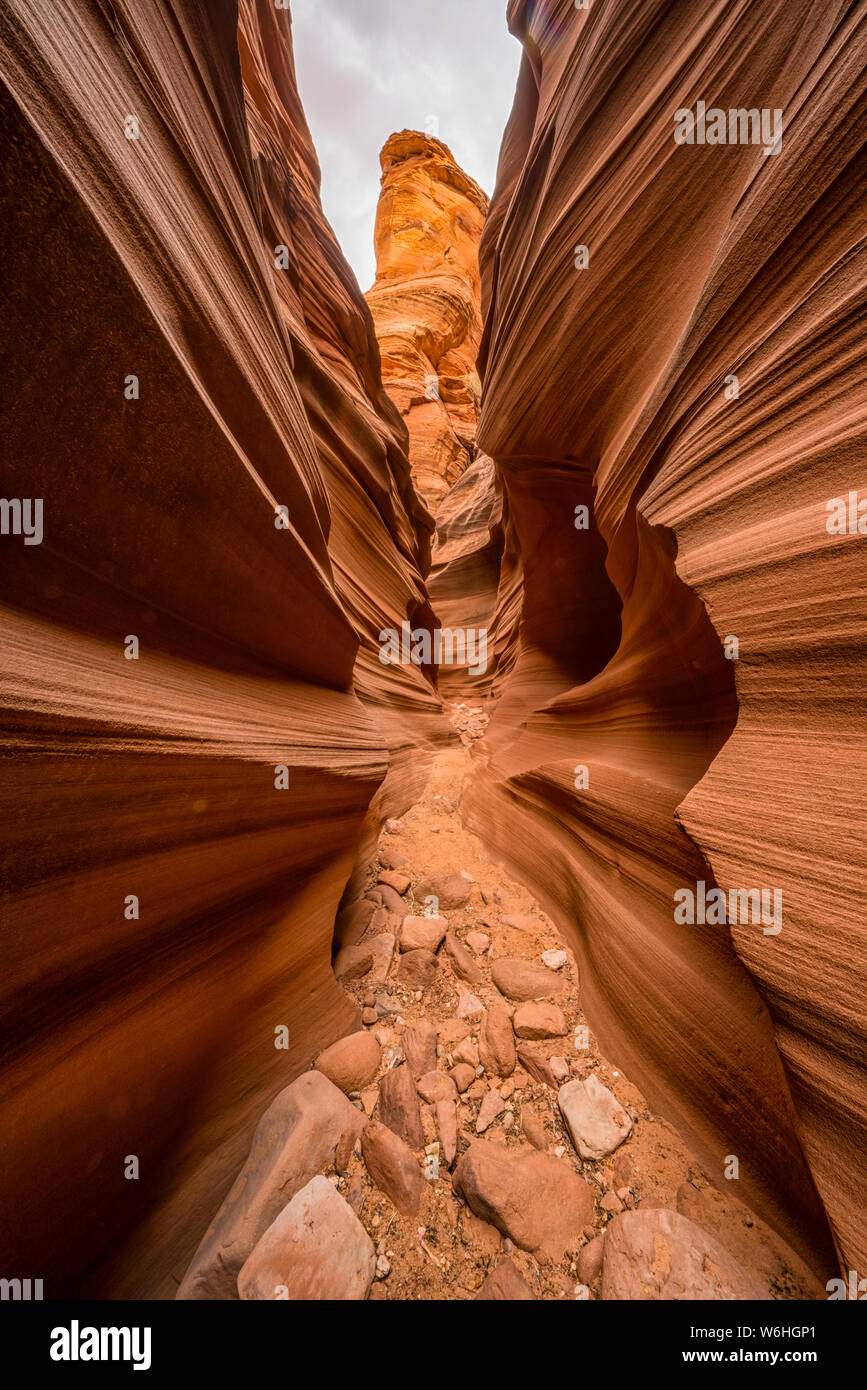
[475,1048]
[377,649]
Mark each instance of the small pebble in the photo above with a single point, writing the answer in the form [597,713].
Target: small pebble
[555,960]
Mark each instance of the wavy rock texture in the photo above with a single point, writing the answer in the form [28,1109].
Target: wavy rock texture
[426,303]
[426,306]
[470,561]
[259,388]
[605,387]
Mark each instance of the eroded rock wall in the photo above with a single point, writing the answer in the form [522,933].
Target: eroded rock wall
[605,380]
[147,250]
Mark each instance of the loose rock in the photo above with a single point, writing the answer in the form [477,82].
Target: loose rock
[393,1167]
[462,962]
[506,1283]
[392,902]
[594,1117]
[523,979]
[316,1249]
[520,923]
[351,1062]
[295,1139]
[539,1066]
[555,960]
[353,921]
[422,933]
[470,1006]
[497,1042]
[383,950]
[450,890]
[447,1129]
[420,1047]
[492,1106]
[353,962]
[478,941]
[418,969]
[393,878]
[533,1198]
[533,1125]
[398,1106]
[590,1260]
[540,1021]
[392,859]
[463,1076]
[436,1085]
[658,1254]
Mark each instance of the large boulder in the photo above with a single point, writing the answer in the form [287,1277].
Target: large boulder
[317,1249]
[294,1140]
[657,1254]
[533,1198]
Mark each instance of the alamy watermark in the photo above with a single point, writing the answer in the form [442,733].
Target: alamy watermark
[22,516]
[846,516]
[737,126]
[745,905]
[443,647]
[77,1343]
[21,1290]
[855,1291]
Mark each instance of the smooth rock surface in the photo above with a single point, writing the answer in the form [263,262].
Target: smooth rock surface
[352,1062]
[317,1249]
[523,979]
[594,1117]
[657,1254]
[294,1139]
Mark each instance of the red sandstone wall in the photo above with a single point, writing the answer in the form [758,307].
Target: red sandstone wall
[605,387]
[259,387]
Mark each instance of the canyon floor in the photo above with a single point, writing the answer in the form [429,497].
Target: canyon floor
[446,1251]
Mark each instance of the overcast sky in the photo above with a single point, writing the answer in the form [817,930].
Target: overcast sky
[367,68]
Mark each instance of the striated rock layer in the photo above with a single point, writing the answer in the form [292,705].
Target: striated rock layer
[629,757]
[426,306]
[244,509]
[426,303]
[471,556]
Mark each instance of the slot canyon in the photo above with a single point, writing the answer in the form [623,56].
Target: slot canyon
[298,936]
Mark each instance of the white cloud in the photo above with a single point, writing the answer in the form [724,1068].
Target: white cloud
[367,68]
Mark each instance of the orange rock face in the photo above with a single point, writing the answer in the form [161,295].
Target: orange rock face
[193,389]
[637,750]
[200,741]
[426,304]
